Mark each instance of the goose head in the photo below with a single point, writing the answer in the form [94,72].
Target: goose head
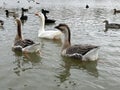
[63,28]
[42,21]
[40,14]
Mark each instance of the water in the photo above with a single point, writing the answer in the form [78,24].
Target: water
[50,70]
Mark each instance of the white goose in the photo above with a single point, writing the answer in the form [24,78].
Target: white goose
[46,34]
[24,45]
[82,52]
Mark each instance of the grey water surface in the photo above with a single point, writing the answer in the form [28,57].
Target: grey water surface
[50,71]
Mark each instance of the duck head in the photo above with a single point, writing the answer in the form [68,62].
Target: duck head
[106,21]
[44,11]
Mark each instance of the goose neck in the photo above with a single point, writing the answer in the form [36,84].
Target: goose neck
[19,32]
[67,39]
[42,23]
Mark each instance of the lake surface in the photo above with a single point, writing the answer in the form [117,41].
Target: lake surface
[50,71]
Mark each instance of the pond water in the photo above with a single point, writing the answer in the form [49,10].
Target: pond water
[50,71]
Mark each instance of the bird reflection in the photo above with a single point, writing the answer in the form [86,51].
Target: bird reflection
[23,62]
[89,66]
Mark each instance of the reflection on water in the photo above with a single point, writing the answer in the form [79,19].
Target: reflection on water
[70,64]
[25,62]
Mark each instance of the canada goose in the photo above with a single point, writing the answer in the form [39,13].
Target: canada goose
[111,25]
[24,45]
[42,33]
[82,52]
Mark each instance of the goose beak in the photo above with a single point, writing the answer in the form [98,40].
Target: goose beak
[57,27]
[36,14]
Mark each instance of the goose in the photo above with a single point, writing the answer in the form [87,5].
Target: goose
[24,45]
[111,25]
[1,23]
[116,11]
[51,34]
[47,21]
[82,52]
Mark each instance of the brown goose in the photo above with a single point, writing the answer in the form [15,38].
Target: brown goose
[111,25]
[23,45]
[82,52]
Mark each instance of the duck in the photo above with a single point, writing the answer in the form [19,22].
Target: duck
[23,45]
[42,33]
[47,21]
[24,9]
[44,13]
[87,6]
[83,52]
[111,25]
[23,17]
[11,13]
[1,23]
[116,11]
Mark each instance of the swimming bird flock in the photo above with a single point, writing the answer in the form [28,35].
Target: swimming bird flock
[83,52]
